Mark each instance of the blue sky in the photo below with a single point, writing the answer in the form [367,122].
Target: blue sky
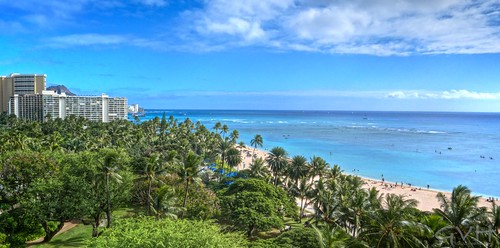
[268,54]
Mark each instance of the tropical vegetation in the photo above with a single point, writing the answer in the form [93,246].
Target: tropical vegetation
[179,178]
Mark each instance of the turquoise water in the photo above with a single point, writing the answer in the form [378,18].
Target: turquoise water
[439,149]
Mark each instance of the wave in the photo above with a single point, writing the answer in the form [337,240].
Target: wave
[235,121]
[432,132]
[158,111]
[400,130]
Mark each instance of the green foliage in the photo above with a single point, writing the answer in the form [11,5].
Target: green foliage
[18,171]
[146,232]
[278,162]
[264,243]
[461,213]
[333,237]
[298,237]
[29,192]
[395,225]
[46,202]
[202,203]
[91,187]
[18,227]
[252,204]
[75,168]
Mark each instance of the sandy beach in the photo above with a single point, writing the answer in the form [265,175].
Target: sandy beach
[426,197]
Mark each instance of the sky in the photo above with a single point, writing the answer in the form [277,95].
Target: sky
[389,55]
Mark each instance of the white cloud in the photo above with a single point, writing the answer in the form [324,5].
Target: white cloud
[402,94]
[233,26]
[408,94]
[375,27]
[452,94]
[74,40]
[327,25]
[242,20]
[85,40]
[378,27]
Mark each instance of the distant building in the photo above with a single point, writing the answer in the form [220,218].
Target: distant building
[26,107]
[134,108]
[52,105]
[19,84]
[24,95]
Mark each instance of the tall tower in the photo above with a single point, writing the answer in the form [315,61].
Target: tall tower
[20,84]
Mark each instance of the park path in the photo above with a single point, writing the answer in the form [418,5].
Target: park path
[67,226]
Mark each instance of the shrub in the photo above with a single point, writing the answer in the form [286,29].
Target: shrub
[147,232]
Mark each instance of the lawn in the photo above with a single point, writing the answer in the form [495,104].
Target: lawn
[75,237]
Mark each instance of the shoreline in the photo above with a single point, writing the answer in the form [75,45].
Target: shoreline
[427,200]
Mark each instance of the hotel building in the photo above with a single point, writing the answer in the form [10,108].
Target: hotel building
[19,84]
[24,95]
[51,105]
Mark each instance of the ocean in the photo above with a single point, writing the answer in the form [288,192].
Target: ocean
[438,149]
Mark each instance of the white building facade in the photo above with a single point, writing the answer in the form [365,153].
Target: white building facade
[52,105]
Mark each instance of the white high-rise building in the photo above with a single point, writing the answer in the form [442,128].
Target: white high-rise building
[134,108]
[52,105]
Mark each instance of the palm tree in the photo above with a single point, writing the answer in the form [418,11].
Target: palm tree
[494,238]
[217,126]
[460,213]
[298,168]
[302,190]
[234,136]
[330,200]
[259,169]
[241,145]
[277,160]
[224,130]
[435,223]
[109,169]
[223,147]
[257,141]
[354,210]
[189,170]
[331,236]
[152,168]
[394,225]
[233,157]
[335,172]
[495,220]
[164,204]
[163,125]
[318,166]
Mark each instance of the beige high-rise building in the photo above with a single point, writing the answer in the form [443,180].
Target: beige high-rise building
[19,84]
